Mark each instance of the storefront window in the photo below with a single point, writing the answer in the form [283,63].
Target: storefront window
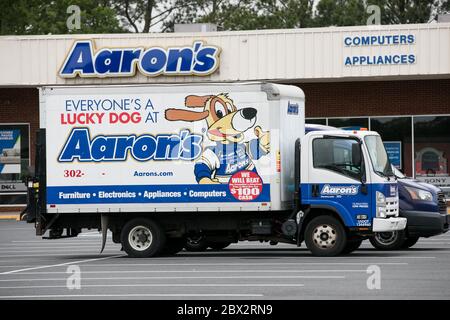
[349,123]
[396,135]
[14,163]
[316,121]
[432,150]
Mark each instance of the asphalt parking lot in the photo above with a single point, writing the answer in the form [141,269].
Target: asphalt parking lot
[32,268]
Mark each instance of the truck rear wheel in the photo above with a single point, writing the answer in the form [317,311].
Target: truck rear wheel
[388,240]
[142,238]
[325,236]
[196,243]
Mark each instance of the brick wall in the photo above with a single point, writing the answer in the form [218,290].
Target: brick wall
[377,98]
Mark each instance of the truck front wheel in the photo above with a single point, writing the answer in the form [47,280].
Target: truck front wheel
[325,236]
[142,238]
[388,240]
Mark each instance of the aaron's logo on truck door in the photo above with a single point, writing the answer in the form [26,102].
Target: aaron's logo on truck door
[329,190]
[80,146]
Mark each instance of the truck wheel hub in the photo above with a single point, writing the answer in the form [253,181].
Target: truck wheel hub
[140,238]
[386,238]
[324,236]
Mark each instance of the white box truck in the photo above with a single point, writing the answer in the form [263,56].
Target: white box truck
[157,164]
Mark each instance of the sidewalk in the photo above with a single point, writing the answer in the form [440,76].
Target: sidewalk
[9,216]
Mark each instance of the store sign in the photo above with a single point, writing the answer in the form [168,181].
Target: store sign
[381,42]
[394,151]
[198,59]
[441,181]
[12,187]
[9,151]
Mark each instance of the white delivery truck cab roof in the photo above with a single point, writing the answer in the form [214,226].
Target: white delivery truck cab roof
[173,147]
[307,157]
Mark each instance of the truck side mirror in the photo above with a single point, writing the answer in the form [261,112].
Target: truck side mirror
[356,154]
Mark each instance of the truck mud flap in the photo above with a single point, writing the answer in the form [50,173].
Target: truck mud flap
[42,220]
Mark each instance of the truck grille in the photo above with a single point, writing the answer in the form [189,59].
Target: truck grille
[392,207]
[442,203]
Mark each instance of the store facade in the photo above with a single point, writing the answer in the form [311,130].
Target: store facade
[391,79]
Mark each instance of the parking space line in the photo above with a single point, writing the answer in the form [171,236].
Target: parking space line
[60,264]
[166,285]
[180,277]
[39,240]
[227,256]
[87,249]
[51,255]
[51,245]
[229,264]
[131,295]
[198,271]
[433,242]
[52,249]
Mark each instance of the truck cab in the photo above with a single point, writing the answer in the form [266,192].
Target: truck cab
[349,178]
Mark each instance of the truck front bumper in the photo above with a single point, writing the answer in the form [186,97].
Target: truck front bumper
[388,224]
[425,224]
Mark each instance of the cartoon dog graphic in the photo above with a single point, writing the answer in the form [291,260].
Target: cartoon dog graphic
[226,127]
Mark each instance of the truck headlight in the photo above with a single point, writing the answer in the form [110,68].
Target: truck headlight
[381,205]
[418,194]
[381,199]
[381,212]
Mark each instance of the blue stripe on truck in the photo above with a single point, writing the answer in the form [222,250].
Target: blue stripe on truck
[176,193]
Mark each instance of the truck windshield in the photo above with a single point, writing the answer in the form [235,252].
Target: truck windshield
[378,156]
[338,154]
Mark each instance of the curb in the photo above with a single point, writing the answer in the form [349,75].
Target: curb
[10,216]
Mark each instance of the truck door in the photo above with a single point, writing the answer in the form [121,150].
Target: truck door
[337,179]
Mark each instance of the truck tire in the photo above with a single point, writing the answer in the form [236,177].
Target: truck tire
[325,236]
[219,245]
[142,238]
[388,240]
[409,242]
[351,246]
[196,244]
[173,246]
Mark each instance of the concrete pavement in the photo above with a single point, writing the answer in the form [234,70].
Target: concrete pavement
[32,268]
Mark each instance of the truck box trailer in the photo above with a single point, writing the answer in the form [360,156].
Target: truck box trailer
[156,164]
